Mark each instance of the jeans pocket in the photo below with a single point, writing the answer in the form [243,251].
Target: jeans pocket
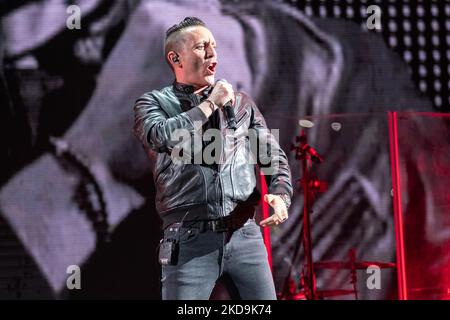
[251,231]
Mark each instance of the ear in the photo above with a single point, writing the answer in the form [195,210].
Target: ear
[174,59]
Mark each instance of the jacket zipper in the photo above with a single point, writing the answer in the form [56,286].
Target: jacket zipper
[206,186]
[239,122]
[197,102]
[222,124]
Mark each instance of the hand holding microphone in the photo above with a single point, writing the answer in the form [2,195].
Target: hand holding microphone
[222,93]
[223,96]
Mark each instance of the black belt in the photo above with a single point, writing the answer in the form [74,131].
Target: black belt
[215,225]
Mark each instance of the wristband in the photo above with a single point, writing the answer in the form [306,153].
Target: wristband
[212,105]
[286,199]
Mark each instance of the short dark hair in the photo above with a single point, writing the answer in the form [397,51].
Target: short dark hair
[187,22]
[170,44]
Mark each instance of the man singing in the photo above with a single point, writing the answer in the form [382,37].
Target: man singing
[208,207]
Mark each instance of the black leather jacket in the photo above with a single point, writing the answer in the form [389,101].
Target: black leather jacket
[203,190]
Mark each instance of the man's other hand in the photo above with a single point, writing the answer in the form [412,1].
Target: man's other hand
[280,211]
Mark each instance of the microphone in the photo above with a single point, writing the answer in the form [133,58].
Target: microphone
[229,115]
[313,154]
[229,112]
[305,147]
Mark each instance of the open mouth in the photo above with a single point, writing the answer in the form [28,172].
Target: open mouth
[212,68]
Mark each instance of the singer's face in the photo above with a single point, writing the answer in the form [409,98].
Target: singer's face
[198,57]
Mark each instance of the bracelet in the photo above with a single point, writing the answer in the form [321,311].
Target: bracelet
[212,105]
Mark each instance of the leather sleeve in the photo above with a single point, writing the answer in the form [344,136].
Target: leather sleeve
[273,162]
[154,128]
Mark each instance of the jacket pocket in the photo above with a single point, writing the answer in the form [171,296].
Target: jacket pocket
[242,174]
[179,185]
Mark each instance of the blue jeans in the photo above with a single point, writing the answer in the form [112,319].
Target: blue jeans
[205,256]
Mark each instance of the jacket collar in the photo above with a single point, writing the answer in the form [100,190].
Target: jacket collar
[182,90]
